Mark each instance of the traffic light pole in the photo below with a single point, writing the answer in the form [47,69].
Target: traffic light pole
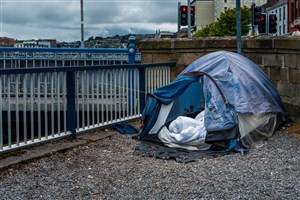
[252,19]
[238,27]
[178,25]
[189,18]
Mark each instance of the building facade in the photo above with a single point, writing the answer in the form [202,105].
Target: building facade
[204,14]
[35,43]
[6,42]
[223,5]
[294,15]
[280,8]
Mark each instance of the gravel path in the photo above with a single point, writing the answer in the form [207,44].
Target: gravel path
[107,169]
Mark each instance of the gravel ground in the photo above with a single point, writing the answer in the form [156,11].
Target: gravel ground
[108,169]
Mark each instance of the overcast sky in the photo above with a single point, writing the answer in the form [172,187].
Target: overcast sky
[60,19]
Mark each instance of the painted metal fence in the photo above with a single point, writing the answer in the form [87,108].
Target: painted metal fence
[49,93]
[42,104]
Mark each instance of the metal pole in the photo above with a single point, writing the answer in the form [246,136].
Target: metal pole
[179,19]
[71,108]
[252,18]
[238,27]
[82,31]
[189,18]
[131,82]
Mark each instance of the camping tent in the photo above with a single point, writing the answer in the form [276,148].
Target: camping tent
[222,99]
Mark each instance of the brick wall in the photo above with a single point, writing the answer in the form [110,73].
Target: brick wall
[279,57]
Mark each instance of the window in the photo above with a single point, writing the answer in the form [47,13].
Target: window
[292,8]
[225,1]
[279,30]
[283,31]
[279,14]
[296,9]
[225,8]
[283,12]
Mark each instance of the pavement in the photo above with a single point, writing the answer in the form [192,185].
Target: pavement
[46,149]
[61,145]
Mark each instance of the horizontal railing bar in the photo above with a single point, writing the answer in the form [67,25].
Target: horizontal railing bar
[35,142]
[64,59]
[83,50]
[79,68]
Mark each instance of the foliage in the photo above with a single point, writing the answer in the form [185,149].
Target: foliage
[226,24]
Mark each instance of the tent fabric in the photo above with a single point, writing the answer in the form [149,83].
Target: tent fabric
[168,93]
[125,128]
[242,81]
[232,91]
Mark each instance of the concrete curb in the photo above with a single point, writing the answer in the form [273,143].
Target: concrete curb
[47,149]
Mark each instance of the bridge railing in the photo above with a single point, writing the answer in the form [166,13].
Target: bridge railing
[44,103]
[11,57]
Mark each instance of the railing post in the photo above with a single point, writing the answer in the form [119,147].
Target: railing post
[131,50]
[71,112]
[142,76]
[131,60]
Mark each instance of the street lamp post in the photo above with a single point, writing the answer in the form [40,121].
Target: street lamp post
[82,31]
[238,27]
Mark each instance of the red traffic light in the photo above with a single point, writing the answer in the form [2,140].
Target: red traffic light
[272,23]
[183,9]
[192,9]
[262,24]
[273,18]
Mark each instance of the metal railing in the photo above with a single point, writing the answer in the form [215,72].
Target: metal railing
[11,58]
[42,104]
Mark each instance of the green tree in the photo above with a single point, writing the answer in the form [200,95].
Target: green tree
[226,24]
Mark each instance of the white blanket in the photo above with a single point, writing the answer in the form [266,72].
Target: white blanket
[186,129]
[185,132]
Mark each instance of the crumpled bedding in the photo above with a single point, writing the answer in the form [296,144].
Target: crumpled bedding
[185,129]
[186,133]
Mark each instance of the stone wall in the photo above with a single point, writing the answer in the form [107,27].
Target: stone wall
[279,57]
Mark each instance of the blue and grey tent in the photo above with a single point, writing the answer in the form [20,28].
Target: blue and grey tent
[222,98]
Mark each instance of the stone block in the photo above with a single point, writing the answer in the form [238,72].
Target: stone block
[294,76]
[190,58]
[175,71]
[220,43]
[291,60]
[154,44]
[189,44]
[187,58]
[254,57]
[284,74]
[286,89]
[258,43]
[275,73]
[292,109]
[147,57]
[162,57]
[274,60]
[287,43]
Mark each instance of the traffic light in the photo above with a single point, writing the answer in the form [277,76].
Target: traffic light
[183,16]
[192,8]
[272,20]
[256,14]
[262,25]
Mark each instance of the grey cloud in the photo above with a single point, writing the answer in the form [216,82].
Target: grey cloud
[61,20]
